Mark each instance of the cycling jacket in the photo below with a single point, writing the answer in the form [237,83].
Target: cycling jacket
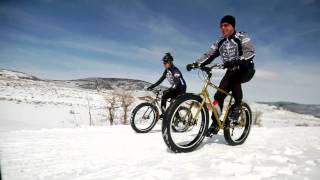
[175,78]
[236,47]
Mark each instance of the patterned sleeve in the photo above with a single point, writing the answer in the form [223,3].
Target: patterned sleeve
[209,56]
[247,47]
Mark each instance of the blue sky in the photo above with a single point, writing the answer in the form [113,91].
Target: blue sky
[59,39]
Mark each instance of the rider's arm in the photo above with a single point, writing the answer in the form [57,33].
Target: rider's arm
[160,80]
[247,47]
[176,79]
[209,56]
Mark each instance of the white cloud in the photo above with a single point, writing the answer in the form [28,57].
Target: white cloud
[161,28]
[94,45]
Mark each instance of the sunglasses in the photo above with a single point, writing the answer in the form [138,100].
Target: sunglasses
[224,25]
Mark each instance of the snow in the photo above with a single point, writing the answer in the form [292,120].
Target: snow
[44,134]
[116,152]
[28,103]
[16,116]
[274,117]
[15,75]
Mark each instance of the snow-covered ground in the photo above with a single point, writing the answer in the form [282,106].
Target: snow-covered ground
[116,152]
[44,134]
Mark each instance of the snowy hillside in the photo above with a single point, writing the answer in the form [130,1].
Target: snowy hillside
[295,107]
[87,83]
[272,116]
[45,134]
[30,102]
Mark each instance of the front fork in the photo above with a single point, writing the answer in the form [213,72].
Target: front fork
[155,103]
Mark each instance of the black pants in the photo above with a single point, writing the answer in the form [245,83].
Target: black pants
[232,82]
[169,94]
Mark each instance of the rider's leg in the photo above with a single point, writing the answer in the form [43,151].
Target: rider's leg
[224,85]
[164,103]
[236,79]
[238,95]
[219,96]
[167,95]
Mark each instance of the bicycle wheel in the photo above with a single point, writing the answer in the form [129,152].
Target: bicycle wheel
[235,133]
[144,117]
[190,138]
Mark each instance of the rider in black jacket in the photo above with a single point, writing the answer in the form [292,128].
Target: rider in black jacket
[237,54]
[175,78]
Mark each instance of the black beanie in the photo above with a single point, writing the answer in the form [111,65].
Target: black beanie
[229,19]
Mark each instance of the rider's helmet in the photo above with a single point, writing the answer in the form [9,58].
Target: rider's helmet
[167,58]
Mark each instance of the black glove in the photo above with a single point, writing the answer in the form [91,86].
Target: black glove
[191,66]
[149,88]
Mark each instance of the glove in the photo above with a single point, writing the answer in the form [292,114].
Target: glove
[191,66]
[149,88]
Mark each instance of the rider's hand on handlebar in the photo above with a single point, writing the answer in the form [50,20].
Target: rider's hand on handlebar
[192,66]
[149,88]
[206,69]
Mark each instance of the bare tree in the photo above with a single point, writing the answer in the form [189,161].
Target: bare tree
[123,97]
[73,112]
[257,118]
[111,107]
[97,85]
[89,110]
[110,101]
[125,100]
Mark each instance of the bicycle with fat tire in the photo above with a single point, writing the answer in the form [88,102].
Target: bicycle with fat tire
[193,111]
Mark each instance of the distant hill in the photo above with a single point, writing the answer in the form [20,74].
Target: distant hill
[296,107]
[86,83]
[111,83]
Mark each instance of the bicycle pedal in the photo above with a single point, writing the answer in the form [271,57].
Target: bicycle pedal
[210,135]
[212,131]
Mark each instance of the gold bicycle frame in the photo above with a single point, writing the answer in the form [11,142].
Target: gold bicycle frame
[206,97]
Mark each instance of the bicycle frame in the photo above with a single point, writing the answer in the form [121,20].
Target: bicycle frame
[154,101]
[206,97]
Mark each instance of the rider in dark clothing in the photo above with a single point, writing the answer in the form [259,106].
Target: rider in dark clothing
[237,53]
[175,78]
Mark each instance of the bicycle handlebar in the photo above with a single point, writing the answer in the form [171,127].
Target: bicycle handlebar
[215,66]
[208,69]
[156,91]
